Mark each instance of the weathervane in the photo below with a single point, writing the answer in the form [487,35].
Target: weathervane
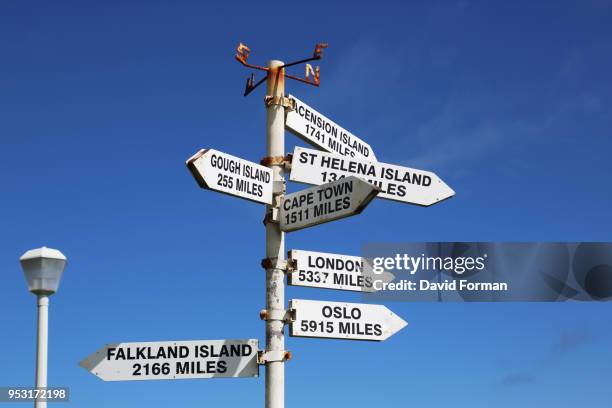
[311,77]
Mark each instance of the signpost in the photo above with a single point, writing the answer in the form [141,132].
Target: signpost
[328,202]
[316,129]
[174,360]
[346,178]
[228,174]
[395,182]
[328,271]
[338,320]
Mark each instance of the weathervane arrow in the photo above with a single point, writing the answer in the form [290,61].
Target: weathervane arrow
[311,77]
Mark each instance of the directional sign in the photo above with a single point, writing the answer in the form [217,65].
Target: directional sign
[328,202]
[395,182]
[338,320]
[314,128]
[173,360]
[332,271]
[228,174]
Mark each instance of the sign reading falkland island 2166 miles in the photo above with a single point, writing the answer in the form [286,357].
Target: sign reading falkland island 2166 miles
[228,174]
[324,203]
[314,128]
[339,320]
[173,360]
[395,182]
[328,271]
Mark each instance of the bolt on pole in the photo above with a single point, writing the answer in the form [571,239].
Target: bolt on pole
[41,347]
[275,239]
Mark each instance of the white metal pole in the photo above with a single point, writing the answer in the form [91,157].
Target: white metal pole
[41,347]
[275,240]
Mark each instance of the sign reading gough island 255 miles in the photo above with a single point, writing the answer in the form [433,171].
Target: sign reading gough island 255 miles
[173,360]
[314,128]
[395,182]
[231,175]
[328,202]
[338,320]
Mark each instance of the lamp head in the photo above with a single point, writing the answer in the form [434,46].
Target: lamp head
[43,269]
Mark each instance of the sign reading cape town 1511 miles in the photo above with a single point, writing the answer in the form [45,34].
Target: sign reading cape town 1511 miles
[232,175]
[173,360]
[339,320]
[395,182]
[328,202]
[314,128]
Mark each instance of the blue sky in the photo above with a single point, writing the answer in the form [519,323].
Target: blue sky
[102,102]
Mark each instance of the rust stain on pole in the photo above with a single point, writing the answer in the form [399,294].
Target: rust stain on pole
[276,81]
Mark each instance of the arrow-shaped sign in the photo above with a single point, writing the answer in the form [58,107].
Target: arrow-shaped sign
[338,320]
[395,182]
[174,360]
[332,271]
[314,128]
[328,202]
[232,175]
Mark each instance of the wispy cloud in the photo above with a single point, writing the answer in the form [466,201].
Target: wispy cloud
[377,89]
[371,73]
[517,379]
[573,339]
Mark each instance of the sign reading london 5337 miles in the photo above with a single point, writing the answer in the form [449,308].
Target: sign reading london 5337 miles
[339,320]
[314,128]
[328,202]
[395,182]
[173,360]
[232,175]
[332,271]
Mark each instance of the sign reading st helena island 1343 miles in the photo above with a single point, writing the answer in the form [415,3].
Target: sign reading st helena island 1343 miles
[339,320]
[331,271]
[317,130]
[232,175]
[395,182]
[173,360]
[324,203]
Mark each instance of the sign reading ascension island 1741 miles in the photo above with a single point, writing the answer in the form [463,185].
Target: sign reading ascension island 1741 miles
[339,320]
[173,360]
[328,202]
[328,271]
[395,182]
[314,128]
[228,174]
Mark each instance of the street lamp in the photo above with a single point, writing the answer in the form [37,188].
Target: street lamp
[43,269]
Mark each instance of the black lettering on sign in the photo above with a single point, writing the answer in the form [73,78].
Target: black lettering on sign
[338,264]
[352,279]
[226,164]
[307,158]
[225,350]
[225,180]
[182,367]
[361,329]
[341,312]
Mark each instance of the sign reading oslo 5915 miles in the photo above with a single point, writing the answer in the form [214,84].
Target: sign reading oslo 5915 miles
[172,360]
[338,320]
[328,202]
[314,128]
[232,175]
[395,182]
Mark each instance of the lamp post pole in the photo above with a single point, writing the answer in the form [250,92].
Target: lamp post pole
[42,338]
